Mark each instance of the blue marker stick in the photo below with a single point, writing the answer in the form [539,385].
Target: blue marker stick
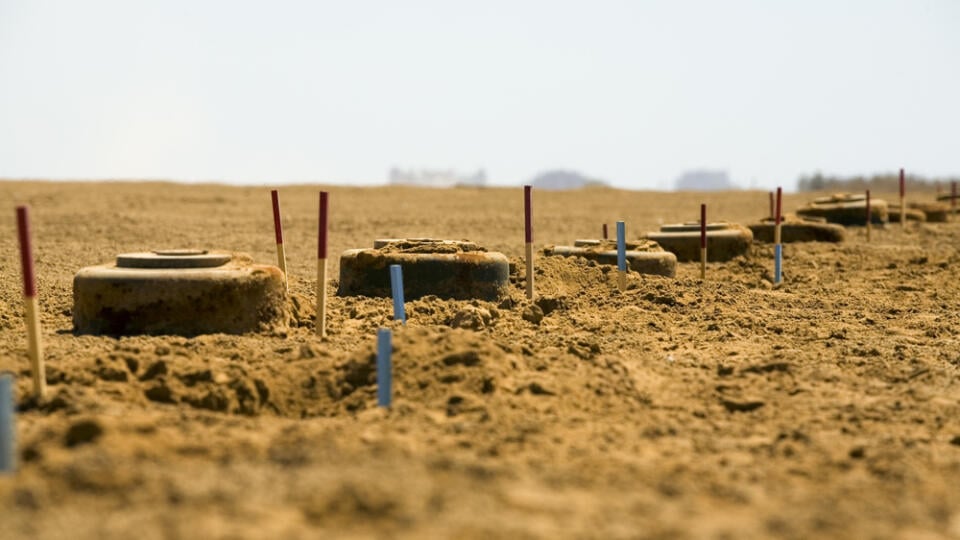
[8,447]
[384,368]
[396,285]
[777,263]
[622,253]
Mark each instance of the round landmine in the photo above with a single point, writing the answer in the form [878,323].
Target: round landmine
[935,212]
[724,240]
[443,268]
[910,214]
[643,256]
[846,209]
[797,229]
[181,292]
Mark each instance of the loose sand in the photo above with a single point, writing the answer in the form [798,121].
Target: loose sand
[676,409]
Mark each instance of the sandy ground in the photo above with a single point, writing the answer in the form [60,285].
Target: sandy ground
[827,408]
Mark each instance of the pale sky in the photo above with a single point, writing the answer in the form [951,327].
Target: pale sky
[633,92]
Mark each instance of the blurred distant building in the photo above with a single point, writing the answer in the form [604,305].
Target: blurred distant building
[560,179]
[704,180]
[436,178]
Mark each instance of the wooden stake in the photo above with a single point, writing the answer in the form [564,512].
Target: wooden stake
[278,231]
[31,305]
[869,217]
[605,231]
[703,242]
[322,267]
[528,234]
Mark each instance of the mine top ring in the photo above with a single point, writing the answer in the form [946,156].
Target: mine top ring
[173,258]
[180,252]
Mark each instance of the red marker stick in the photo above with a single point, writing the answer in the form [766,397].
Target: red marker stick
[903,205]
[869,217]
[771,205]
[528,236]
[30,304]
[278,231]
[605,231]
[322,266]
[703,241]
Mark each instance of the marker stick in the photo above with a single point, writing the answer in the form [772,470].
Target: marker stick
[384,368]
[322,266]
[903,205]
[8,432]
[278,231]
[772,210]
[869,217]
[778,247]
[528,234]
[604,231]
[703,241]
[396,287]
[30,304]
[622,254]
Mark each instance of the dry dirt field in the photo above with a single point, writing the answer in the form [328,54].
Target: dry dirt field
[827,408]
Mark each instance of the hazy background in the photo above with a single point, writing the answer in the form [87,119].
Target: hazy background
[634,93]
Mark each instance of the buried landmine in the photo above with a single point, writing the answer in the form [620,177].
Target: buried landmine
[725,241]
[182,292]
[642,256]
[449,269]
[846,209]
[798,229]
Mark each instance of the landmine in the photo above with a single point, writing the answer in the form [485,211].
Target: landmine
[724,240]
[181,292]
[911,214]
[643,256]
[798,229]
[846,209]
[934,211]
[444,268]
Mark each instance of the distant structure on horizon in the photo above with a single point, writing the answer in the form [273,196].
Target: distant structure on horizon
[561,179]
[704,180]
[436,178]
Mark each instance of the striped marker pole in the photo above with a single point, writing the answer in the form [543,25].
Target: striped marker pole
[703,241]
[322,266]
[30,304]
[396,287]
[528,236]
[869,217]
[903,204]
[278,231]
[605,231]
[953,198]
[777,246]
[8,432]
[384,368]
[622,255]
